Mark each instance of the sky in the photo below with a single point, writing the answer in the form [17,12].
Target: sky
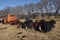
[14,3]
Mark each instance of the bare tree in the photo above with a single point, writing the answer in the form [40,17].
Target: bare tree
[41,5]
[57,6]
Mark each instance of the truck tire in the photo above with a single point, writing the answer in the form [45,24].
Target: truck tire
[19,25]
[44,27]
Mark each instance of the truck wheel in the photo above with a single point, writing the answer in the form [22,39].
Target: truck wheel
[44,27]
[23,25]
[19,25]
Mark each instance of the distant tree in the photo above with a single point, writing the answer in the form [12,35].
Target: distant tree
[56,5]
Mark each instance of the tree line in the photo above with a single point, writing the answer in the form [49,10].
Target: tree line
[44,6]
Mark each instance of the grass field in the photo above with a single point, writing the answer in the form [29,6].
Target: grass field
[10,32]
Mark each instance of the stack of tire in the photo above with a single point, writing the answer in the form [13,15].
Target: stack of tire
[45,26]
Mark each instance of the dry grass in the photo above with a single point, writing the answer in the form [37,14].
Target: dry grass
[12,33]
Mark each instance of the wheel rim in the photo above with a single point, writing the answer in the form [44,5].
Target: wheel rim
[42,28]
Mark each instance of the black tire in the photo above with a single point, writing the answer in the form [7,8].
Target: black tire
[53,21]
[24,26]
[28,24]
[44,27]
[18,25]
